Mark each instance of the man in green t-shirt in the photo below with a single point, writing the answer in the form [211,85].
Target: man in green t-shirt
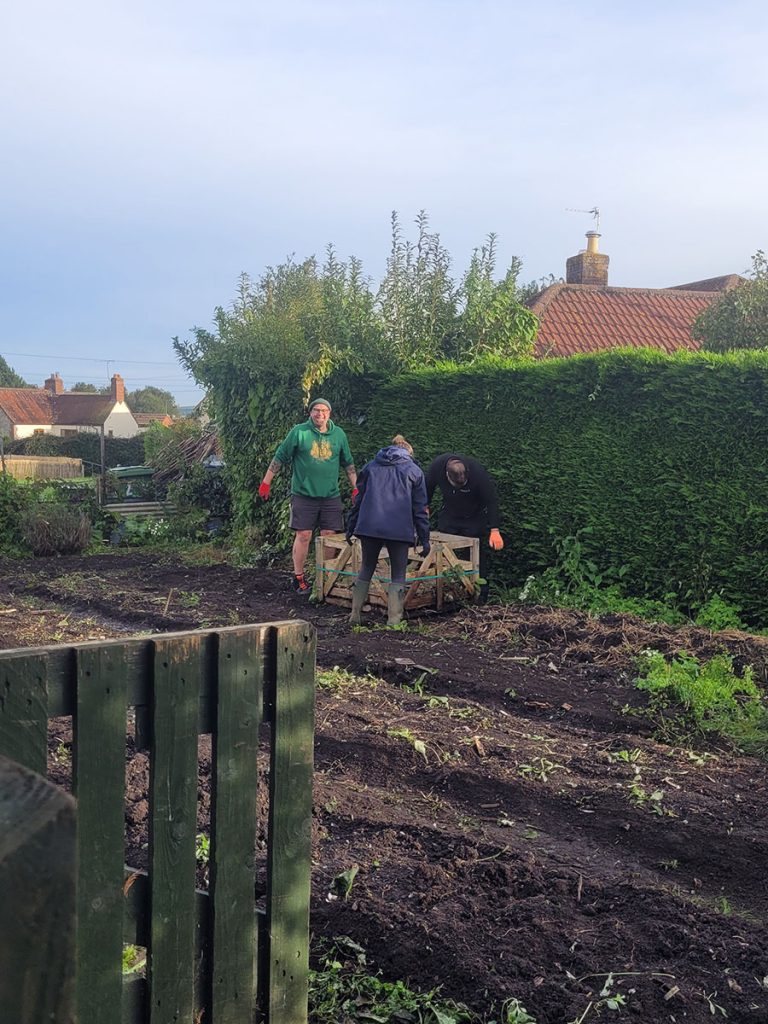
[315,449]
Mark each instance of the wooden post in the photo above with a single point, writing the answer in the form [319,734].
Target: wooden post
[37,898]
[103,453]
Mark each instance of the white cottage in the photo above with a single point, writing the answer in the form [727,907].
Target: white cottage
[52,410]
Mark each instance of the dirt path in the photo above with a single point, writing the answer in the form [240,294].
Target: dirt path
[521,853]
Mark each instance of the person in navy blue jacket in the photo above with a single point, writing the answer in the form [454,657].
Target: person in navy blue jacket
[390,511]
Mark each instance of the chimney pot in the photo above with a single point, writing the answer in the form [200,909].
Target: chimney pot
[54,384]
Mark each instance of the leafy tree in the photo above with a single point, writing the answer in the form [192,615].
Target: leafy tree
[151,399]
[739,318]
[304,327]
[91,389]
[9,378]
[157,436]
[493,320]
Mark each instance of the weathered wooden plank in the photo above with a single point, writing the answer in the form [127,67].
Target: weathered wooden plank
[235,743]
[37,899]
[331,567]
[98,762]
[468,582]
[59,660]
[24,710]
[290,825]
[172,828]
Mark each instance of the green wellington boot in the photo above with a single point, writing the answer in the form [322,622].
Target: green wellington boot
[395,602]
[359,597]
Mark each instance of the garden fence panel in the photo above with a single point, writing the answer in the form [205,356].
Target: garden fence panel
[213,957]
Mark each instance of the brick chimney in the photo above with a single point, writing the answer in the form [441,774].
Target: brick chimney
[590,266]
[54,384]
[118,388]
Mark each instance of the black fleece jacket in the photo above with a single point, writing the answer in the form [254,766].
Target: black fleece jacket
[475,502]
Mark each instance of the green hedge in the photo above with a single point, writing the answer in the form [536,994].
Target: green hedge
[663,458]
[119,451]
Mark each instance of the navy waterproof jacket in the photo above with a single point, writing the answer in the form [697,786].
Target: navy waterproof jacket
[392,499]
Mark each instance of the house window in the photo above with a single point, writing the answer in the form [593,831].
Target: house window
[38,431]
[69,433]
[110,433]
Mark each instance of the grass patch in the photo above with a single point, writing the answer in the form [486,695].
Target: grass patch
[689,698]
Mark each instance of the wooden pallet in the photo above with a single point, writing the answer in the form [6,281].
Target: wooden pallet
[448,573]
[144,509]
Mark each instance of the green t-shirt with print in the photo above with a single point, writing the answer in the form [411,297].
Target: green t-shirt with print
[315,458]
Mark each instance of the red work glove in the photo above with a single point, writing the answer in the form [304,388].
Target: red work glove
[264,490]
[495,540]
[355,493]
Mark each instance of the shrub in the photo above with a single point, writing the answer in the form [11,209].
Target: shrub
[54,529]
[203,490]
[706,698]
[717,614]
[12,502]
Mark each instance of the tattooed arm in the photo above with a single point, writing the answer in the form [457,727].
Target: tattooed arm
[352,474]
[272,471]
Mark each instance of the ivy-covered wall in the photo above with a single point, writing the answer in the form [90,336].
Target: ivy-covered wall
[664,458]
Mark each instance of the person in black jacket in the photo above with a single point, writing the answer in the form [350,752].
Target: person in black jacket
[470,505]
[390,510]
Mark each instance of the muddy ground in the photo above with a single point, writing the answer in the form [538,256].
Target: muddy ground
[518,852]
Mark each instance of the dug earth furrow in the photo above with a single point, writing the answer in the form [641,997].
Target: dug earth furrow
[516,832]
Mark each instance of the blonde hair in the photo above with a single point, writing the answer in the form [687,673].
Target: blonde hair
[400,442]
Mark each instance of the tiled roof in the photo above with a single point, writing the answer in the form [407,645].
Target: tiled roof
[145,418]
[76,408]
[36,406]
[576,318]
[27,405]
[711,284]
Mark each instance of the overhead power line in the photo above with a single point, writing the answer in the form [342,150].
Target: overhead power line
[91,359]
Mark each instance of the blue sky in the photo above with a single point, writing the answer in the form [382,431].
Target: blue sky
[153,151]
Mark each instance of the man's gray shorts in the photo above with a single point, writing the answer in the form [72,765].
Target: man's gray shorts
[316,513]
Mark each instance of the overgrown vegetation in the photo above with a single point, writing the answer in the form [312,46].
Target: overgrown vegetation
[302,326]
[575,581]
[54,529]
[688,698]
[739,318]
[344,991]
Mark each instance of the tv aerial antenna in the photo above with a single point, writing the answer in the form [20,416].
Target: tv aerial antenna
[594,212]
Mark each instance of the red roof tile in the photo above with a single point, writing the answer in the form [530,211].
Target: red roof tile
[27,405]
[39,407]
[577,318]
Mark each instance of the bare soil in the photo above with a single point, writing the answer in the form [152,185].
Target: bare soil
[511,857]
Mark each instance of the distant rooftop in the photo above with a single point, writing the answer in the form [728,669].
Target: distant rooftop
[585,314]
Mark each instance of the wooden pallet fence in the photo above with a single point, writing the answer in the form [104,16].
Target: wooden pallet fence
[42,467]
[448,572]
[212,957]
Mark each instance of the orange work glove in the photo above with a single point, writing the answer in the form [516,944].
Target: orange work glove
[495,540]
